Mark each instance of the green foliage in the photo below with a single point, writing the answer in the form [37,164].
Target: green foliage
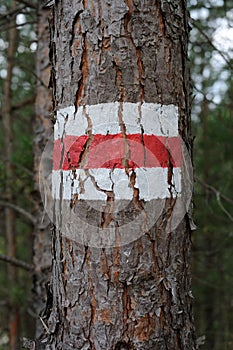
[17,295]
[213,148]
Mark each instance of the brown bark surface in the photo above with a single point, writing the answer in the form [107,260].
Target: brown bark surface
[135,296]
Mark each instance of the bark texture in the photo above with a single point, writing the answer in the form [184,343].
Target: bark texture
[137,296]
[42,257]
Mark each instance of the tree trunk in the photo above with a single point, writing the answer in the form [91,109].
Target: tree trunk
[43,127]
[10,229]
[121,266]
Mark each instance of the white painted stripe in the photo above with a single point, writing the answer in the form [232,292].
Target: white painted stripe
[103,118]
[93,184]
[152,183]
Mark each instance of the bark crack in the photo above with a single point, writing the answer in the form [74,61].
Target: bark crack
[161,22]
[85,257]
[140,71]
[81,91]
[107,214]
[72,40]
[128,31]
[124,135]
[84,154]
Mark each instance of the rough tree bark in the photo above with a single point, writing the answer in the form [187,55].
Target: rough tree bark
[135,296]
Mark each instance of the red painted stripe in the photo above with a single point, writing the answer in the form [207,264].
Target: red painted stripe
[71,148]
[108,151]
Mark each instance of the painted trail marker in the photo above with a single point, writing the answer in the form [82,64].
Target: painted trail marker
[104,158]
[120,139]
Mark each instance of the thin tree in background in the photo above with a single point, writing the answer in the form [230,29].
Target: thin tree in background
[42,129]
[10,228]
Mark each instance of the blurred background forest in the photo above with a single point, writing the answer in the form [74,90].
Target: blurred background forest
[211,63]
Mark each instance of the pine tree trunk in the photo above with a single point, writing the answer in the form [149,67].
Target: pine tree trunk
[134,295]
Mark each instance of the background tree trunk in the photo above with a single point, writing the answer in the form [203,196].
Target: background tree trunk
[135,296]
[10,227]
[42,129]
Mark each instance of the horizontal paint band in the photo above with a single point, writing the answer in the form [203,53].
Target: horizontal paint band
[152,183]
[115,151]
[108,118]
[91,155]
